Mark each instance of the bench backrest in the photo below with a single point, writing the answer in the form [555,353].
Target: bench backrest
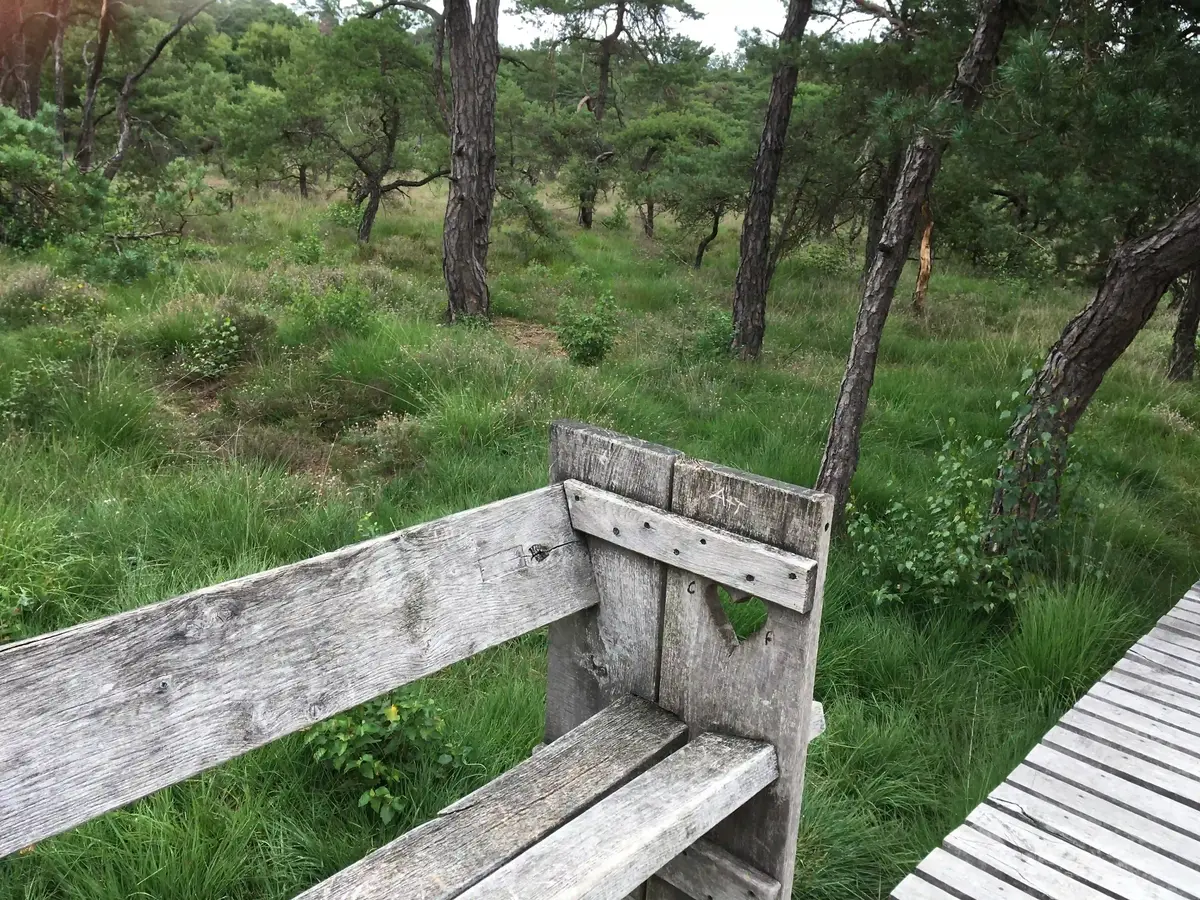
[622,556]
[101,714]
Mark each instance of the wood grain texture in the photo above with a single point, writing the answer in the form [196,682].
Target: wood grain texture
[1036,814]
[1133,766]
[1042,881]
[603,653]
[1147,726]
[1004,822]
[914,887]
[761,688]
[706,872]
[1119,807]
[480,833]
[610,849]
[109,711]
[726,558]
[1113,785]
[967,879]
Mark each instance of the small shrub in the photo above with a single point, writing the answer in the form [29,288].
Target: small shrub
[393,442]
[617,220]
[343,214]
[825,260]
[105,261]
[715,336]
[379,748]
[32,391]
[306,249]
[340,307]
[218,349]
[937,554]
[34,296]
[587,335]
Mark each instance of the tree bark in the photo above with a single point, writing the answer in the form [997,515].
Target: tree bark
[303,176]
[374,194]
[647,213]
[609,45]
[86,146]
[1138,274]
[920,166]
[62,12]
[884,190]
[474,63]
[707,239]
[1182,366]
[926,262]
[754,266]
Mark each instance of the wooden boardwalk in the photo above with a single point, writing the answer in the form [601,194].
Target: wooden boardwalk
[1107,805]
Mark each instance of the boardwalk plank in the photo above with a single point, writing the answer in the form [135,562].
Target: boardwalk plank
[916,888]
[1149,727]
[1184,764]
[1019,868]
[1037,815]
[1152,652]
[1147,706]
[1182,691]
[1115,811]
[965,878]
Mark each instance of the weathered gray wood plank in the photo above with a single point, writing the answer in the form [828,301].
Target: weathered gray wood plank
[1034,816]
[729,559]
[1186,614]
[480,833]
[915,887]
[1156,682]
[1166,657]
[967,879]
[1133,767]
[1144,705]
[101,714]
[1154,729]
[610,849]
[1111,784]
[1018,868]
[1183,641]
[1119,808]
[762,687]
[603,653]
[706,872]
[1178,621]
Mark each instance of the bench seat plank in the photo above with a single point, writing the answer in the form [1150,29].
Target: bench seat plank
[98,715]
[483,831]
[616,845]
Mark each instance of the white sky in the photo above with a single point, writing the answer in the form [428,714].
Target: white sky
[718,28]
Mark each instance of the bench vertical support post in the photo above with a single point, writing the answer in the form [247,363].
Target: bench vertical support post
[605,652]
[761,688]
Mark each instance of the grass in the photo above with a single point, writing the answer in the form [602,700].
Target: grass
[130,478]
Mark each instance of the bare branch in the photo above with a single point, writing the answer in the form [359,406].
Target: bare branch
[413,5]
[402,183]
[179,25]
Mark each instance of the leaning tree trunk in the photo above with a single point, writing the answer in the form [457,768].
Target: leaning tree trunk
[885,188]
[708,239]
[921,163]
[474,63]
[1182,366]
[86,146]
[62,13]
[374,194]
[1138,274]
[754,265]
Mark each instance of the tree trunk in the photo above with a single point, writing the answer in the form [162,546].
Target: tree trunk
[926,265]
[86,146]
[754,265]
[124,129]
[474,63]
[62,12]
[599,106]
[373,193]
[885,188]
[921,163]
[648,219]
[707,239]
[1183,353]
[1138,274]
[303,176]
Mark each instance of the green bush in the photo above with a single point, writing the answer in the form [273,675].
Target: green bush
[344,214]
[617,220]
[825,260]
[587,335]
[381,746]
[34,296]
[937,553]
[715,336]
[31,392]
[344,306]
[306,249]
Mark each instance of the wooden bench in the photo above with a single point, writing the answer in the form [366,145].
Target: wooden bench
[662,728]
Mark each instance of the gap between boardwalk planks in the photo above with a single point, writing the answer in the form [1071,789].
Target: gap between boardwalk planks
[98,715]
[613,847]
[786,579]
[486,829]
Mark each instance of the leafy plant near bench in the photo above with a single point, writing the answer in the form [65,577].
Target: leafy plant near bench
[380,746]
